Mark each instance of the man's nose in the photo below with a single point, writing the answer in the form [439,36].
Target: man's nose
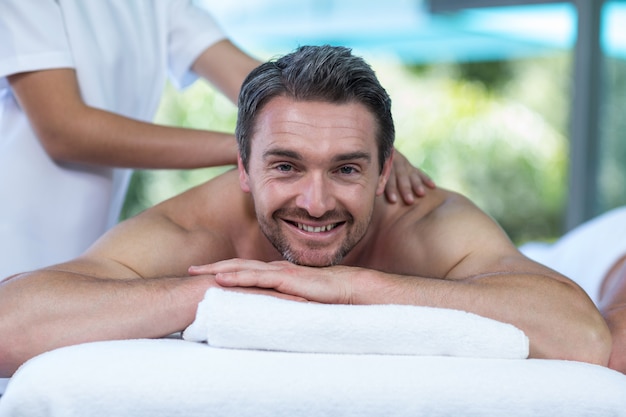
[315,195]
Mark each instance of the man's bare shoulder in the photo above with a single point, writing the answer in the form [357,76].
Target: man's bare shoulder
[432,235]
[214,203]
[198,226]
[445,206]
[438,205]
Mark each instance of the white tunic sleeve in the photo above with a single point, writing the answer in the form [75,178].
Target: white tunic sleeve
[122,52]
[191,31]
[33,38]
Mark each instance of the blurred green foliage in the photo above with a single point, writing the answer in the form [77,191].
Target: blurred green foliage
[492,131]
[613,145]
[501,143]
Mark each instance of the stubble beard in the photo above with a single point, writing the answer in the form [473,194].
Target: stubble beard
[313,255]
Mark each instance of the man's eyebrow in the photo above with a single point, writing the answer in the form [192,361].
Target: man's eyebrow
[281,153]
[284,153]
[353,156]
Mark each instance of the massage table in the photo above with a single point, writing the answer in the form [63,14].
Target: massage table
[416,365]
[179,378]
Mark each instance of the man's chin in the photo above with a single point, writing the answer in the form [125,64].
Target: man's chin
[313,259]
[313,264]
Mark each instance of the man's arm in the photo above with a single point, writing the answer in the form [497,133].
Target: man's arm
[105,294]
[462,260]
[63,306]
[612,305]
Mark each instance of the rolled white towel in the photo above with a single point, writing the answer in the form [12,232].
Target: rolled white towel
[230,319]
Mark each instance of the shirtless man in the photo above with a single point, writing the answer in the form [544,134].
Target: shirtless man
[303,217]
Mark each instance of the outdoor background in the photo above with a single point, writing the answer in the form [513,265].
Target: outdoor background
[494,130]
[476,128]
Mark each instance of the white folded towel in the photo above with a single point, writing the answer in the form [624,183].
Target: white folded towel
[230,319]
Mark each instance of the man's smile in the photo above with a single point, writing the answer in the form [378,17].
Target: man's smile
[316,229]
[327,225]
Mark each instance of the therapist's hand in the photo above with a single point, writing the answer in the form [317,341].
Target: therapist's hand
[406,181]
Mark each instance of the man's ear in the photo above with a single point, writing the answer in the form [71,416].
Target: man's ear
[244,179]
[386,172]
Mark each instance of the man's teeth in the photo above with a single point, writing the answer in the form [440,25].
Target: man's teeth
[318,229]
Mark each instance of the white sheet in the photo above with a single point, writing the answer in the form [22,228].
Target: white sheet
[178,378]
[250,321]
[586,253]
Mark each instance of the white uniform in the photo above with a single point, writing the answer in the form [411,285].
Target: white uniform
[122,51]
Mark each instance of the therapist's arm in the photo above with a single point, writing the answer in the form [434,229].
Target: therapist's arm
[71,131]
[225,66]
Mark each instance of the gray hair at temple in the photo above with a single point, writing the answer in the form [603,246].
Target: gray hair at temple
[315,73]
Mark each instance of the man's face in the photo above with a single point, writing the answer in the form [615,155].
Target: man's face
[314,175]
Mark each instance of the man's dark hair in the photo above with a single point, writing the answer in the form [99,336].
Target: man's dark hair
[315,73]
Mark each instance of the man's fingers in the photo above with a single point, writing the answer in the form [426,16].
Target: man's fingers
[249,278]
[229,265]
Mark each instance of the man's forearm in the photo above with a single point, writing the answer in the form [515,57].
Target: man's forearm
[559,319]
[557,316]
[616,319]
[45,310]
[613,307]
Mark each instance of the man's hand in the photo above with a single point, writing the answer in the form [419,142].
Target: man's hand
[406,180]
[330,285]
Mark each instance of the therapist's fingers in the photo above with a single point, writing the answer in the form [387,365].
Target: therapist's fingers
[406,181]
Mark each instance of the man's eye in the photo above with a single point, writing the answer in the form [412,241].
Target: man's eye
[284,167]
[347,170]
